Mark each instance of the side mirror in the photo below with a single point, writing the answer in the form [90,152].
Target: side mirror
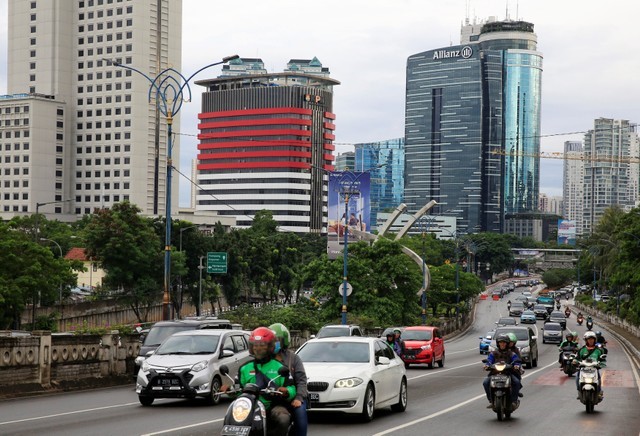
[383,360]
[224,370]
[226,353]
[534,338]
[283,371]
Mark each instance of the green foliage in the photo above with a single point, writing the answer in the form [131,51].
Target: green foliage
[300,316]
[557,278]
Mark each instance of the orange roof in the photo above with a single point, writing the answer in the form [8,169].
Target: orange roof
[76,253]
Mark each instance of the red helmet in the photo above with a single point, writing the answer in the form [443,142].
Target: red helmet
[263,335]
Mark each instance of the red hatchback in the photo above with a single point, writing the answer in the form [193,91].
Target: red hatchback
[423,344]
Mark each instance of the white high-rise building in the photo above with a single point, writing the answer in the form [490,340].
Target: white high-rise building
[606,177]
[573,183]
[93,139]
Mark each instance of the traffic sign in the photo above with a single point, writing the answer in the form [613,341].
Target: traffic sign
[217,262]
[349,289]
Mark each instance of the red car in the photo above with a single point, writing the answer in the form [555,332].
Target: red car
[423,345]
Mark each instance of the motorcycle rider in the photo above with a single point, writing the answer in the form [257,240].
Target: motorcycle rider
[508,304]
[589,350]
[580,317]
[601,341]
[503,353]
[261,370]
[570,343]
[399,341]
[391,341]
[296,367]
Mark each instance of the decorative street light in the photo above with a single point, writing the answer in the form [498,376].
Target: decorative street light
[168,86]
[37,219]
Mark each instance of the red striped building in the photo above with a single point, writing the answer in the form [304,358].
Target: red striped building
[262,143]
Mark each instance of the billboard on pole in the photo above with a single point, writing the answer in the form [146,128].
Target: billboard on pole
[356,186]
[566,232]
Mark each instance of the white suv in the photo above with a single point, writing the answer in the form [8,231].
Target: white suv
[336,330]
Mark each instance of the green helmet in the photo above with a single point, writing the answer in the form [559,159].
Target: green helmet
[512,337]
[282,333]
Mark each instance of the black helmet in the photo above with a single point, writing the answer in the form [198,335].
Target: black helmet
[503,337]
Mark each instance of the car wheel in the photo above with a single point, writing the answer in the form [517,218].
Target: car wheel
[368,405]
[212,398]
[441,361]
[145,401]
[401,405]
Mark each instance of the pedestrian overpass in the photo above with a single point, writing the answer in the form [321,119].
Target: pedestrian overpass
[547,258]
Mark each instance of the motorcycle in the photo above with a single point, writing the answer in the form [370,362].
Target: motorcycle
[500,385]
[589,324]
[589,382]
[247,416]
[580,319]
[567,312]
[568,354]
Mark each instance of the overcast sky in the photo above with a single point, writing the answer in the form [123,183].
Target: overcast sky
[591,60]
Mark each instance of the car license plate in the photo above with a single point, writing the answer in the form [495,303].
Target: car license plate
[314,396]
[235,430]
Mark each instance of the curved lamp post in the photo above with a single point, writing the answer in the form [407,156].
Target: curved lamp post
[168,88]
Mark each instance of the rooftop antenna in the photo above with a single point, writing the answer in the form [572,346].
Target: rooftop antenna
[507,10]
[466,19]
[517,10]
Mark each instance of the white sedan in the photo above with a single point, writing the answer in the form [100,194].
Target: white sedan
[353,375]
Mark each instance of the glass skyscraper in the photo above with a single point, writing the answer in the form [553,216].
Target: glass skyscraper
[384,160]
[472,126]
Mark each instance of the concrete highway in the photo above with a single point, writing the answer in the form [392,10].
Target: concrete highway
[447,400]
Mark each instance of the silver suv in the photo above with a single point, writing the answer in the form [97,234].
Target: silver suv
[186,365]
[331,331]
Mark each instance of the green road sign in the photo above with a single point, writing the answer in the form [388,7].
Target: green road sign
[217,262]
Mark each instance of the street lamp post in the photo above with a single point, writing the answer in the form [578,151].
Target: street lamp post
[33,320]
[180,249]
[168,86]
[37,219]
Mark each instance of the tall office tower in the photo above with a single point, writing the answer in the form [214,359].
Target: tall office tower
[345,161]
[606,169]
[266,143]
[473,123]
[573,183]
[634,167]
[104,142]
[543,202]
[384,160]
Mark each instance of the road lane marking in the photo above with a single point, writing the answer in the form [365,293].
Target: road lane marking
[171,430]
[449,409]
[449,353]
[440,371]
[75,412]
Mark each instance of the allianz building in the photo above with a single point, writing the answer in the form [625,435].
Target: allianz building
[472,126]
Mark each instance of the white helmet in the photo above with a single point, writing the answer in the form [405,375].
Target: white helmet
[590,334]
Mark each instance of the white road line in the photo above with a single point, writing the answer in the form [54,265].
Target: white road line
[449,353]
[440,371]
[171,430]
[454,407]
[75,412]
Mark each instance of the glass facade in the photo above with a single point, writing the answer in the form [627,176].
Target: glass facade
[472,127]
[384,160]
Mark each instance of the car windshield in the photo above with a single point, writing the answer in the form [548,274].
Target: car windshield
[416,335]
[349,352]
[332,332]
[528,313]
[196,344]
[158,334]
[518,304]
[521,334]
[540,307]
[552,327]
[557,315]
[507,321]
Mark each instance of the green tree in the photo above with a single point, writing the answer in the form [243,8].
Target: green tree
[30,273]
[129,250]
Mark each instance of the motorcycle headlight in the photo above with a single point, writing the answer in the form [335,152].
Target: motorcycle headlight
[351,382]
[241,409]
[200,366]
[588,380]
[500,366]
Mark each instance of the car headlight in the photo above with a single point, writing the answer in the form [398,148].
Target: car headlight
[525,350]
[241,409]
[200,366]
[426,347]
[145,367]
[351,382]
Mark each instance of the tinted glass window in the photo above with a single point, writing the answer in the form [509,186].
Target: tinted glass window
[160,333]
[334,352]
[417,335]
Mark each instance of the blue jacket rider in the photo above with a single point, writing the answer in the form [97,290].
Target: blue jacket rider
[503,354]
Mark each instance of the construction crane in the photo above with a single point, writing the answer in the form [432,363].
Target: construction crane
[573,156]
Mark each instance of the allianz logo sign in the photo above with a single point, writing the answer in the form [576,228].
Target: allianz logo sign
[466,52]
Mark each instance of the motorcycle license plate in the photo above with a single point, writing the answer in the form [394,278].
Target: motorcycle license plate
[314,396]
[235,430]
[500,378]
